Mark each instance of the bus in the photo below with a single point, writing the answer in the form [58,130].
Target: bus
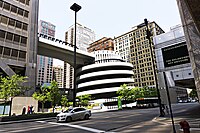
[147,102]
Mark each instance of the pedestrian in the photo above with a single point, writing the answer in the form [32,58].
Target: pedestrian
[167,109]
[28,111]
[163,109]
[31,109]
[24,110]
[185,126]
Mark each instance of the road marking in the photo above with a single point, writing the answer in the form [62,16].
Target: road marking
[79,127]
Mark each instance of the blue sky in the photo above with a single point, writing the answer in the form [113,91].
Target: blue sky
[109,18]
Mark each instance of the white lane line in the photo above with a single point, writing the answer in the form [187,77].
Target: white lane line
[79,127]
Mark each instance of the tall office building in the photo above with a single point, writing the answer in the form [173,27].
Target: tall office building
[101,44]
[45,64]
[58,73]
[18,39]
[134,47]
[84,37]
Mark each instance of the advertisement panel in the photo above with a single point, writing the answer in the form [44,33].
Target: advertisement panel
[175,55]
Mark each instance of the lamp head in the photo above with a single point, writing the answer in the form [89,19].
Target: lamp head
[75,7]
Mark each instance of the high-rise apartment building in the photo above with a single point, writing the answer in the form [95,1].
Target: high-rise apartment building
[84,37]
[18,39]
[134,47]
[58,73]
[102,44]
[45,64]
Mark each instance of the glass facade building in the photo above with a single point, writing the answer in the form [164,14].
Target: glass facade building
[45,64]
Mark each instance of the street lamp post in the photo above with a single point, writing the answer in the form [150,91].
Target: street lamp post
[169,100]
[75,7]
[154,70]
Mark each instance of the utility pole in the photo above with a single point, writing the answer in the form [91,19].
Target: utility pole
[148,35]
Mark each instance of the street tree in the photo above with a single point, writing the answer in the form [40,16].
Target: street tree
[53,93]
[11,87]
[64,101]
[125,93]
[84,99]
[42,95]
[144,92]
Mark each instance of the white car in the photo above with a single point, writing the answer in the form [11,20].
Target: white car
[73,114]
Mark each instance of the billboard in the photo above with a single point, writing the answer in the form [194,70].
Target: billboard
[175,55]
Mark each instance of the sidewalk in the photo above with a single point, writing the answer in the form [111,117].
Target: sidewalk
[194,123]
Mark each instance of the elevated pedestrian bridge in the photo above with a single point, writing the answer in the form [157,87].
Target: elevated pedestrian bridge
[58,49]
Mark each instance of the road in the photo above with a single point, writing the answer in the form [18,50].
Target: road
[124,121]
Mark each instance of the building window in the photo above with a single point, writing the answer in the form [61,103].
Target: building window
[26,14]
[177,75]
[18,24]
[9,36]
[24,26]
[6,6]
[1,49]
[4,20]
[27,2]
[24,40]
[11,22]
[2,34]
[189,74]
[6,51]
[20,11]
[1,4]
[22,54]
[13,9]
[16,38]
[22,1]
[14,53]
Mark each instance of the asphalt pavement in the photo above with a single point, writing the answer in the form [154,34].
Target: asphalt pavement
[158,124]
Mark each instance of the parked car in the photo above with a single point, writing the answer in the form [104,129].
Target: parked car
[73,114]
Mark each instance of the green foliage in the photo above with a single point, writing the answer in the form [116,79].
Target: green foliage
[12,86]
[41,96]
[134,93]
[48,93]
[144,92]
[64,101]
[53,93]
[84,99]
[193,93]
[137,92]
[125,93]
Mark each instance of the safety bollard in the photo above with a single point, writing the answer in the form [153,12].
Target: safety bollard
[185,126]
